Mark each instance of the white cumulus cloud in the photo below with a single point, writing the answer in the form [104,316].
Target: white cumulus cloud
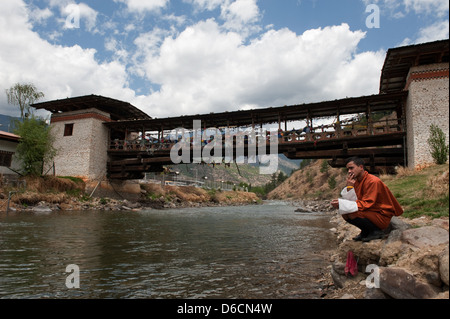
[208,69]
[437,7]
[58,71]
[203,67]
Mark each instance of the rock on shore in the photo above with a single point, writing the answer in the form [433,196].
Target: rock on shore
[411,262]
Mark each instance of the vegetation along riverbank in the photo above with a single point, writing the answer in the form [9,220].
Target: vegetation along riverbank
[46,194]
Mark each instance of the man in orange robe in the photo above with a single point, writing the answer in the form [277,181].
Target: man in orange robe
[366,202]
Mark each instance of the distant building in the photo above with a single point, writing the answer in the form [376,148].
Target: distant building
[8,146]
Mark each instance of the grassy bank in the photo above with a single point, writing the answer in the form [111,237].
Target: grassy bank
[422,192]
[33,190]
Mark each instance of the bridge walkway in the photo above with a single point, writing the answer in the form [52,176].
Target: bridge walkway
[381,143]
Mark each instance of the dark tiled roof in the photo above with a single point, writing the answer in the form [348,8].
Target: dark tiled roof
[118,110]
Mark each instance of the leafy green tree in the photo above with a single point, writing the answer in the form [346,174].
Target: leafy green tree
[23,95]
[36,142]
[439,149]
[36,145]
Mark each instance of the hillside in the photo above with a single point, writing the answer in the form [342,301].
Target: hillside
[315,182]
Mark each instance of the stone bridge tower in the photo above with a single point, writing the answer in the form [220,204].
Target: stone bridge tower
[81,138]
[423,71]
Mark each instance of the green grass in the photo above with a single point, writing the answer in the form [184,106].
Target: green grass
[417,197]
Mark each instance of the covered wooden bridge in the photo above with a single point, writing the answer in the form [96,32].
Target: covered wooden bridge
[372,127]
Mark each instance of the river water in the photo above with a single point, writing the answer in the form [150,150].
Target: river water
[264,251]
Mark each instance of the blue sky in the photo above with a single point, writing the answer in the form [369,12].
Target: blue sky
[175,57]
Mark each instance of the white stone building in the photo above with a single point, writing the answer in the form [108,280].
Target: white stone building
[82,142]
[81,139]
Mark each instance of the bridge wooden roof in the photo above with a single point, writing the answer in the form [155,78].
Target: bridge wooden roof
[118,110]
[400,60]
[383,102]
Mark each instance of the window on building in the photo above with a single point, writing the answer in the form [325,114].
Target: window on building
[68,130]
[6,158]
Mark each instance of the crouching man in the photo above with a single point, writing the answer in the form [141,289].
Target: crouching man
[366,202]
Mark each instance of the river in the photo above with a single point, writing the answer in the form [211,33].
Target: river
[263,251]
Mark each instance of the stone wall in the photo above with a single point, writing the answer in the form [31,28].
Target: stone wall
[84,153]
[427,104]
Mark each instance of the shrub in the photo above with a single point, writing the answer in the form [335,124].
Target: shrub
[439,149]
[35,146]
[332,182]
[324,166]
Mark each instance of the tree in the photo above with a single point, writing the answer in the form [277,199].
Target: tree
[332,182]
[281,178]
[23,95]
[36,142]
[439,149]
[305,163]
[35,146]
[324,167]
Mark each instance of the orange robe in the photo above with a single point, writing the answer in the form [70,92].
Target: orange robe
[375,201]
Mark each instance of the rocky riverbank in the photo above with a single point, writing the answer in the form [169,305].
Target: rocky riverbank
[55,194]
[108,204]
[411,262]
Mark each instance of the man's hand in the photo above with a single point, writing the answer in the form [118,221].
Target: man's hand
[351,180]
[335,203]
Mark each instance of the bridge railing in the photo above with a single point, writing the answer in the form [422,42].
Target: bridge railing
[337,131]
[140,145]
[320,133]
